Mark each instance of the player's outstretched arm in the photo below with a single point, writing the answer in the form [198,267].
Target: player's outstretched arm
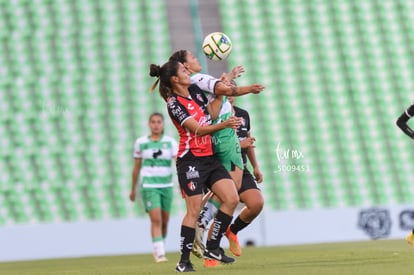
[230,90]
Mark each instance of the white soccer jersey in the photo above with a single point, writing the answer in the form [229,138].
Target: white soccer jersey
[157,156]
[207,83]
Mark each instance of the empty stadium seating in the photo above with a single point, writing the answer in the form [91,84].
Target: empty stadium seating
[74,97]
[337,76]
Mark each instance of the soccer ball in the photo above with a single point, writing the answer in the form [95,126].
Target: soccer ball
[217,46]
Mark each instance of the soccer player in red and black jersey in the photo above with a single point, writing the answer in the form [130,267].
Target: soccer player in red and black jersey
[197,167]
[402,123]
[226,146]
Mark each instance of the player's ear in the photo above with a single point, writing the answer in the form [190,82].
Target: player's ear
[187,66]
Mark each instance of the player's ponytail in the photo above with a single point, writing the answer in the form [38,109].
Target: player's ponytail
[164,74]
[154,72]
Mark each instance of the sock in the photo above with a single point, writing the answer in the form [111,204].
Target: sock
[220,224]
[186,242]
[208,213]
[238,225]
[158,244]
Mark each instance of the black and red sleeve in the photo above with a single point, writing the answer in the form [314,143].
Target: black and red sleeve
[177,111]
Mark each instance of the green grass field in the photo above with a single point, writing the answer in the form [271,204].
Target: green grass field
[373,257]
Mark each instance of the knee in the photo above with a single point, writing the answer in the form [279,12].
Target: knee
[254,204]
[257,207]
[156,222]
[233,200]
[230,201]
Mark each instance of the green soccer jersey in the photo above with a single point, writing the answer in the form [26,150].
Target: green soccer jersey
[157,156]
[225,113]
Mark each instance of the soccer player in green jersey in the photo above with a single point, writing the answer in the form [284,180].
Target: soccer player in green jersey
[153,155]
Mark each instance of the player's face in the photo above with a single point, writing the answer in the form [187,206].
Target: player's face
[183,76]
[156,125]
[192,63]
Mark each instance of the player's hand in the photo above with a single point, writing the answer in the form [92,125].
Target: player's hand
[233,122]
[132,196]
[256,88]
[258,175]
[247,142]
[237,71]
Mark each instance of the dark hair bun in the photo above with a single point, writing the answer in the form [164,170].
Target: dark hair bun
[154,70]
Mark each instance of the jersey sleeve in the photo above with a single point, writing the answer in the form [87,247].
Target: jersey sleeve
[403,119]
[205,82]
[177,111]
[137,150]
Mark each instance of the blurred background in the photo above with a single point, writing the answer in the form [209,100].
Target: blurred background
[74,96]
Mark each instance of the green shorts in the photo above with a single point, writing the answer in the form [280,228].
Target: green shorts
[229,152]
[157,198]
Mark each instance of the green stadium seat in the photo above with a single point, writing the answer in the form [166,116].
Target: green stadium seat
[75,98]
[338,104]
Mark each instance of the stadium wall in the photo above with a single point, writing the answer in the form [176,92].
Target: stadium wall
[131,236]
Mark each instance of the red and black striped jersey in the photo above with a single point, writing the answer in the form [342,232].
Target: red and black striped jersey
[182,108]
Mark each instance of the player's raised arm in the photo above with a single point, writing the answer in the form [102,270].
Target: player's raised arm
[233,74]
[211,84]
[403,119]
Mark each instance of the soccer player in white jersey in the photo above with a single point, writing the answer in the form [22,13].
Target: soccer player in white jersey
[153,155]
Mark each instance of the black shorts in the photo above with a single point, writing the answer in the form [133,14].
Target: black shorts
[248,182]
[195,174]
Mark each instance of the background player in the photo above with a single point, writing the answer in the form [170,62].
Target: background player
[153,155]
